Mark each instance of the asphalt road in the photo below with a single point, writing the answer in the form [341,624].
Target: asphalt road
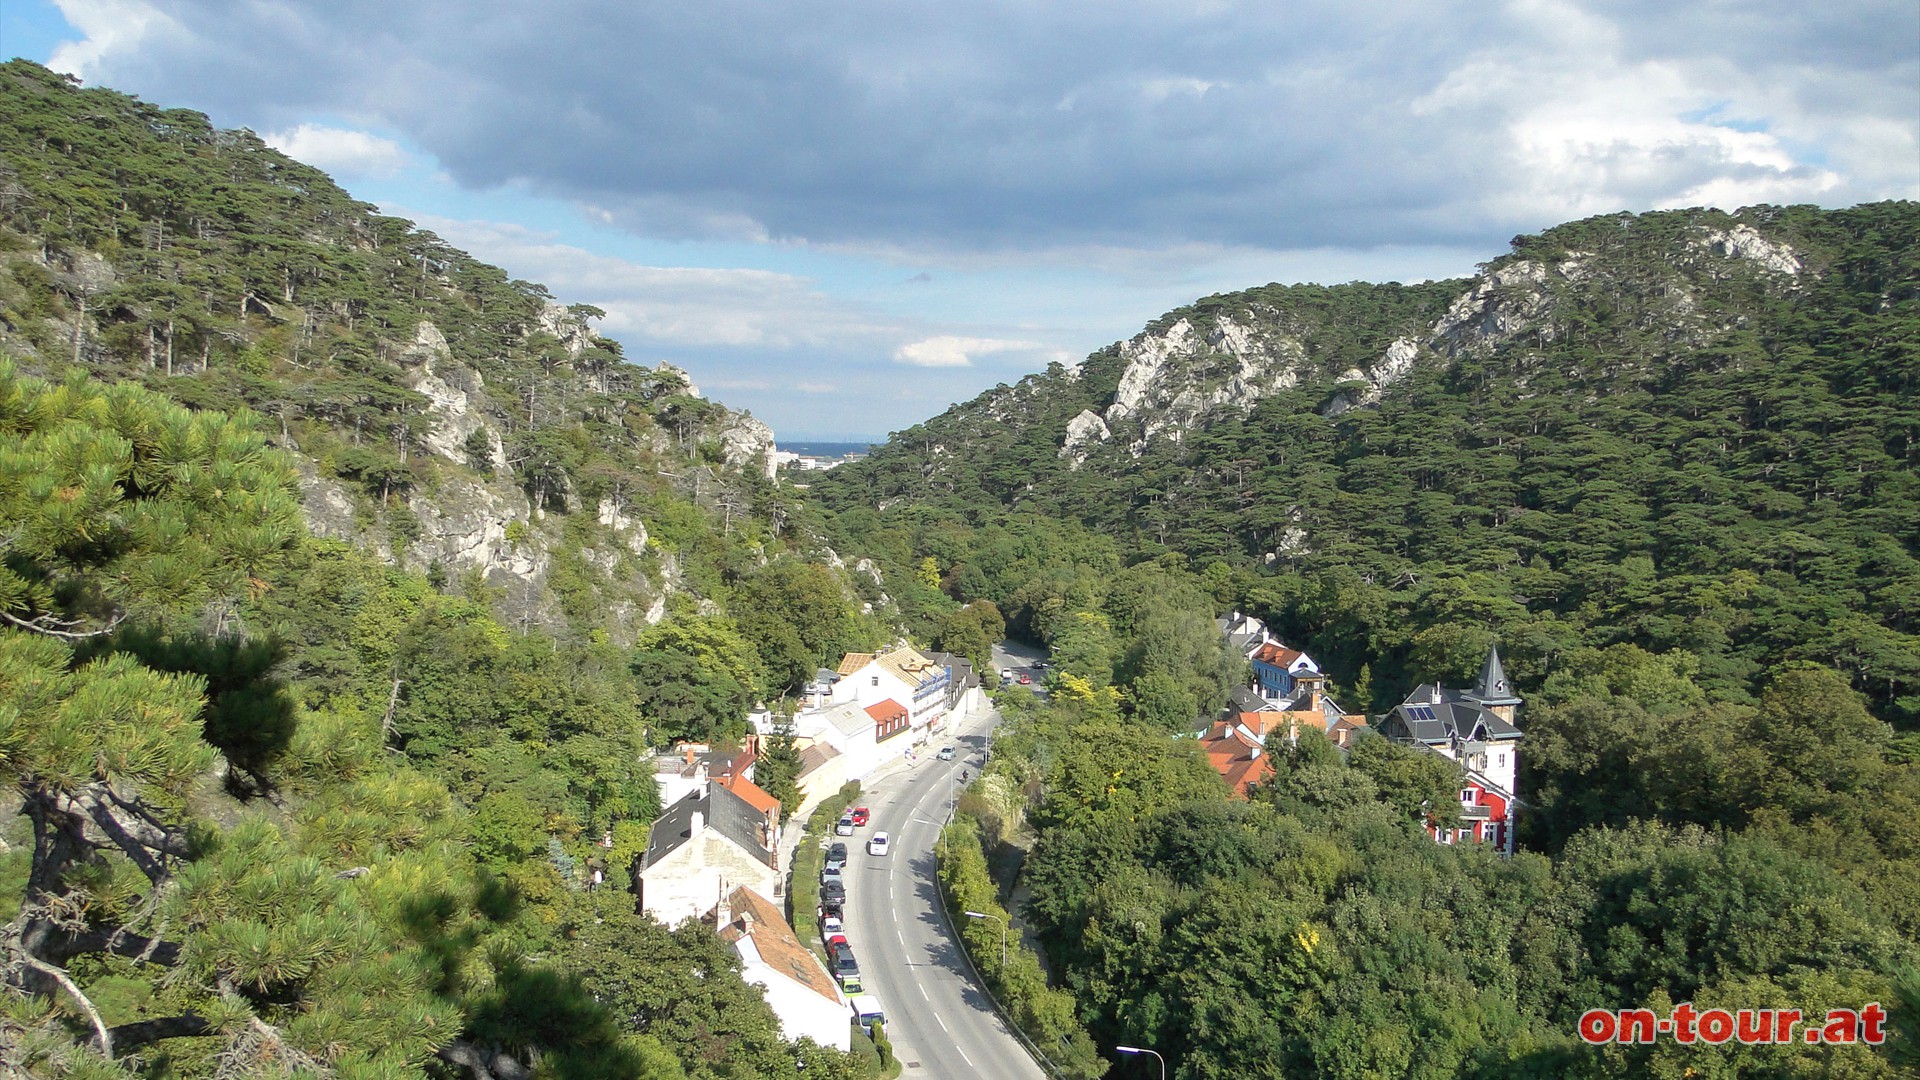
[940,1022]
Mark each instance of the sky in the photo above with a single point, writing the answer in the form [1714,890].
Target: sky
[846,216]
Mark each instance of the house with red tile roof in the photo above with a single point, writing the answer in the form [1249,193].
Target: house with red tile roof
[1238,755]
[802,994]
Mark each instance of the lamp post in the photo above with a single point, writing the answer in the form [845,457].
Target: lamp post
[1144,1050]
[1003,936]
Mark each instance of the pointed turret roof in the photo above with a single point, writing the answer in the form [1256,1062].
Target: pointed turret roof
[1493,687]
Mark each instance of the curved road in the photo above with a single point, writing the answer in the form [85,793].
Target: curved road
[940,1022]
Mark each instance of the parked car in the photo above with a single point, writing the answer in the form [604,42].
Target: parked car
[834,940]
[860,817]
[946,753]
[831,877]
[833,892]
[877,845]
[836,856]
[830,921]
[1026,680]
[849,982]
[843,959]
[845,826]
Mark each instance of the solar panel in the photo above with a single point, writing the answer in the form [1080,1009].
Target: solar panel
[1420,712]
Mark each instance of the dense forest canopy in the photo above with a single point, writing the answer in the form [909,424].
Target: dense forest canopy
[291,806]
[1677,449]
[1671,475]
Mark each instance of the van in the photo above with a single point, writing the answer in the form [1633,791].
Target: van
[867,1011]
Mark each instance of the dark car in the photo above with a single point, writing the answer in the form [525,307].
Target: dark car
[833,893]
[843,962]
[836,857]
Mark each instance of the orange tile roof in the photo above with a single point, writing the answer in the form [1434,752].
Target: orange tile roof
[886,710]
[775,941]
[1238,761]
[752,794]
[1277,655]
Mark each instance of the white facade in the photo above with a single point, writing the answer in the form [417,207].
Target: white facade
[903,675]
[800,1009]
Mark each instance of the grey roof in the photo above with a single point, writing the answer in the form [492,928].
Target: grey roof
[1434,715]
[960,667]
[723,812]
[1493,687]
[1247,699]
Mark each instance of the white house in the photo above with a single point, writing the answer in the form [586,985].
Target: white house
[703,847]
[798,988]
[902,674]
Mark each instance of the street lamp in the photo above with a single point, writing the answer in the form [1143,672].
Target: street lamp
[1144,1050]
[1003,936]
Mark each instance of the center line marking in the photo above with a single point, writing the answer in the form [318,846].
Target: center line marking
[942,1023]
[923,993]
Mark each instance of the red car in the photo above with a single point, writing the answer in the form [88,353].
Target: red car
[835,940]
[860,816]
[1026,680]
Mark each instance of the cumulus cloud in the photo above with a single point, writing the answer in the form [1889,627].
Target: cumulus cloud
[948,351]
[1025,127]
[675,305]
[341,151]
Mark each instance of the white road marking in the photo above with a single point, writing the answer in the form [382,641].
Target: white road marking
[942,1023]
[923,993]
[964,1057]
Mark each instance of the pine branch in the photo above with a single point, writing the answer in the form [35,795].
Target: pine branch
[59,975]
[60,628]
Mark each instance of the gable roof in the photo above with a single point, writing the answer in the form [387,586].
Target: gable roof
[753,794]
[909,666]
[1237,757]
[722,813]
[883,711]
[1281,657]
[815,756]
[853,662]
[757,921]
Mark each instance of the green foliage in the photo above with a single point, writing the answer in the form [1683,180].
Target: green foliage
[1046,1015]
[1732,478]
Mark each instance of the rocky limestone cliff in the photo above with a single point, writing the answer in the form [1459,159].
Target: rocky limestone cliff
[1180,377]
[452,390]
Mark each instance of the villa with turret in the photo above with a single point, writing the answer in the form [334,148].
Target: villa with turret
[1478,728]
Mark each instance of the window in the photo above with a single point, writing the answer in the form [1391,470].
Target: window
[1466,796]
[876,680]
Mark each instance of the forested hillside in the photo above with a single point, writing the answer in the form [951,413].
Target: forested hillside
[280,804]
[1686,431]
[1665,461]
[453,420]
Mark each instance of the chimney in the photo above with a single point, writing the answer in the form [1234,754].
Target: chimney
[1434,695]
[700,775]
[688,747]
[699,822]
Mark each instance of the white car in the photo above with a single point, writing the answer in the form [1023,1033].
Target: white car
[877,845]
